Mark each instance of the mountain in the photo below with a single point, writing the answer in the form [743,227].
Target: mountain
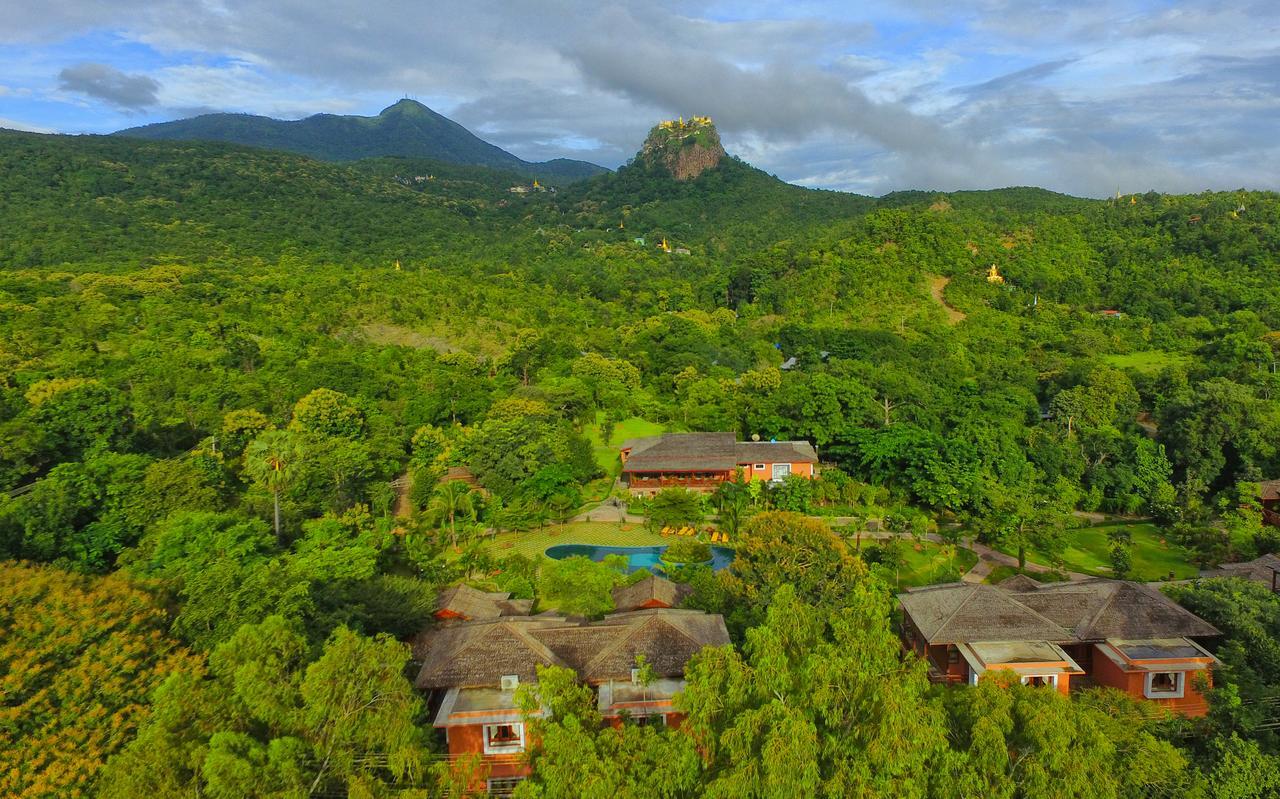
[685,149]
[682,185]
[407,128]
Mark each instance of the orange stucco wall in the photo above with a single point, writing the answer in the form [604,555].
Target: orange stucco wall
[1064,680]
[470,740]
[1192,702]
[941,657]
[750,472]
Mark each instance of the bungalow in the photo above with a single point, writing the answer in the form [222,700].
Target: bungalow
[702,461]
[471,669]
[1099,632]
[1264,570]
[462,602]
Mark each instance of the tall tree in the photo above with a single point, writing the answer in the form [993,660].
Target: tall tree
[452,500]
[271,460]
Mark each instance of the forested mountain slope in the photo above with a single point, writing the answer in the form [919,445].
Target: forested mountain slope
[406,129]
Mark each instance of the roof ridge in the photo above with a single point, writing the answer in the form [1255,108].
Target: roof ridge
[537,646]
[973,590]
[635,630]
[1093,620]
[1009,598]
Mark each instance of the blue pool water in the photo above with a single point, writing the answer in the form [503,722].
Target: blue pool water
[637,557]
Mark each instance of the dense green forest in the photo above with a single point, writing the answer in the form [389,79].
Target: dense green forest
[231,381]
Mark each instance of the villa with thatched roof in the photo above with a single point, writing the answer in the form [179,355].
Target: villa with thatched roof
[1063,635]
[1265,570]
[472,666]
[702,461]
[651,592]
[465,603]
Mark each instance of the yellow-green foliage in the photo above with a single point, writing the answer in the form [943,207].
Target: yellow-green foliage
[79,657]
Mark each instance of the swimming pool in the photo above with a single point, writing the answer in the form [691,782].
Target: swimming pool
[637,557]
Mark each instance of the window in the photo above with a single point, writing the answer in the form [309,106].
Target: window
[649,720]
[502,786]
[1164,685]
[1041,680]
[953,655]
[760,467]
[503,738]
[781,471]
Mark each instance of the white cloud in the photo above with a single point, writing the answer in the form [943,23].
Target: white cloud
[14,124]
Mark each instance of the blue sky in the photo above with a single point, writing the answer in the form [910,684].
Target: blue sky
[1087,97]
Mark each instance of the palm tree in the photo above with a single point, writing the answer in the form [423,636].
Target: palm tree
[451,500]
[270,460]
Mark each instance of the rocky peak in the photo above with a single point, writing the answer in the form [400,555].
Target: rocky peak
[685,148]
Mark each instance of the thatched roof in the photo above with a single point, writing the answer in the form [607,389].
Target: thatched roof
[775,452]
[1019,583]
[960,612]
[1099,609]
[1259,570]
[683,452]
[474,605]
[479,654]
[667,638]
[710,452]
[651,591]
[1269,490]
[1087,611]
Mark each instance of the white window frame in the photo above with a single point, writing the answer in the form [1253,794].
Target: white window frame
[775,476]
[1052,678]
[760,467]
[514,747]
[1179,679]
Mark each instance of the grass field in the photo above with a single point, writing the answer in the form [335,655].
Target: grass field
[607,451]
[1088,551]
[1148,361]
[535,542]
[928,563]
[1000,573]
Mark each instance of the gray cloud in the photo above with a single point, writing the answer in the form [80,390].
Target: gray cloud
[105,82]
[1077,95]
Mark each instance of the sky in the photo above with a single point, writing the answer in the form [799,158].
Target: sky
[1087,97]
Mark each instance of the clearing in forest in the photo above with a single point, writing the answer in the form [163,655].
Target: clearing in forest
[937,284]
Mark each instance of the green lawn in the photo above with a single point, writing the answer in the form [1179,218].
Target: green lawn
[607,451]
[535,542]
[1088,551]
[1148,361]
[933,563]
[1000,573]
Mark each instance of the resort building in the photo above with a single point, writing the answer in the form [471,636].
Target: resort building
[473,665]
[1264,570]
[1269,498]
[1065,636]
[702,461]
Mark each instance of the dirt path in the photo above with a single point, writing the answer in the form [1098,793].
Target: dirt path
[937,285]
[403,507]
